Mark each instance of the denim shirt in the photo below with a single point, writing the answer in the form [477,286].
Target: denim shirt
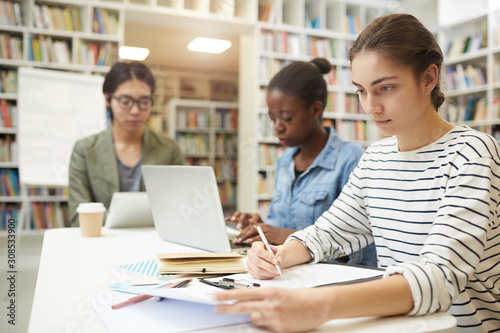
[297,203]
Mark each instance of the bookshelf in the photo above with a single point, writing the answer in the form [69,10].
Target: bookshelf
[300,31]
[207,133]
[184,84]
[79,36]
[469,36]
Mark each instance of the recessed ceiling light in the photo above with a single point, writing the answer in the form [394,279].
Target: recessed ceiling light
[133,53]
[209,45]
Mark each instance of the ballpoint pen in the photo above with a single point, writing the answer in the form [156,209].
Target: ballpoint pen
[143,297]
[268,247]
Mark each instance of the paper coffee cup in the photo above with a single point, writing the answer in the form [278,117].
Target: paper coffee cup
[91,215]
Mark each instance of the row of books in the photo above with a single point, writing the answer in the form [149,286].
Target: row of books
[353,130]
[293,44]
[97,54]
[226,119]
[48,215]
[280,42]
[265,126]
[10,47]
[10,13]
[57,18]
[8,81]
[226,144]
[8,114]
[267,12]
[269,67]
[265,183]
[9,182]
[193,118]
[44,49]
[352,24]
[465,44]
[8,148]
[227,191]
[226,169]
[193,144]
[460,78]
[470,108]
[269,154]
[339,76]
[47,191]
[9,212]
[105,22]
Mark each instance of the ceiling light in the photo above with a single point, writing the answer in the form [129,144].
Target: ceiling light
[209,45]
[133,53]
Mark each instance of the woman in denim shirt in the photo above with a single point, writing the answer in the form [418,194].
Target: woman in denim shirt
[312,171]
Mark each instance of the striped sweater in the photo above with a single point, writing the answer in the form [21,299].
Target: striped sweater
[433,214]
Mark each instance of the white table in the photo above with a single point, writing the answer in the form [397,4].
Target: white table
[76,272]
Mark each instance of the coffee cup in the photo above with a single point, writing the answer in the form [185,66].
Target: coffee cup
[91,215]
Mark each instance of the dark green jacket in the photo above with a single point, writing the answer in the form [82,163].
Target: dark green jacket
[93,169]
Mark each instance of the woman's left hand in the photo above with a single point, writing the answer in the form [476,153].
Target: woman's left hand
[277,309]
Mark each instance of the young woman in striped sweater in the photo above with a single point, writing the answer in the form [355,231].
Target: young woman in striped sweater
[427,196]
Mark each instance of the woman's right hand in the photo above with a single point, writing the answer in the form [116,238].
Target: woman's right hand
[261,263]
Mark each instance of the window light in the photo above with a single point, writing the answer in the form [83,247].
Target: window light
[209,45]
[133,53]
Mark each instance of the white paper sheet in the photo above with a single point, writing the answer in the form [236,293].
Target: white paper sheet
[167,316]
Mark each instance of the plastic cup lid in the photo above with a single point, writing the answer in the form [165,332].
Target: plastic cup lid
[91,207]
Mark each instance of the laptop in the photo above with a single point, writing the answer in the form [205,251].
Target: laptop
[128,210]
[186,206]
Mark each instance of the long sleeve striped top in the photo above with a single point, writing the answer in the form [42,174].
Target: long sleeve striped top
[433,214]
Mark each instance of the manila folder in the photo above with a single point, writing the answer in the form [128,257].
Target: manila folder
[201,263]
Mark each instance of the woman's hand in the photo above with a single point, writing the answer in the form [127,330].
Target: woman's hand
[274,235]
[242,219]
[261,263]
[280,310]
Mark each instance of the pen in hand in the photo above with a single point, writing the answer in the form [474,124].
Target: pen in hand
[268,247]
[142,297]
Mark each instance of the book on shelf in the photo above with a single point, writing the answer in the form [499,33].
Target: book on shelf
[465,44]
[226,169]
[226,118]
[8,82]
[269,154]
[352,24]
[10,13]
[9,182]
[48,215]
[105,22]
[6,114]
[267,12]
[7,146]
[265,183]
[9,213]
[226,144]
[192,144]
[200,263]
[10,47]
[226,193]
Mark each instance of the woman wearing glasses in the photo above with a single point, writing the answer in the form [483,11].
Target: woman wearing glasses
[111,160]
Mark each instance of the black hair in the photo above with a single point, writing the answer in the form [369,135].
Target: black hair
[303,80]
[122,72]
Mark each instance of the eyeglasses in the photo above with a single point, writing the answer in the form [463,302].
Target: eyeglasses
[127,102]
